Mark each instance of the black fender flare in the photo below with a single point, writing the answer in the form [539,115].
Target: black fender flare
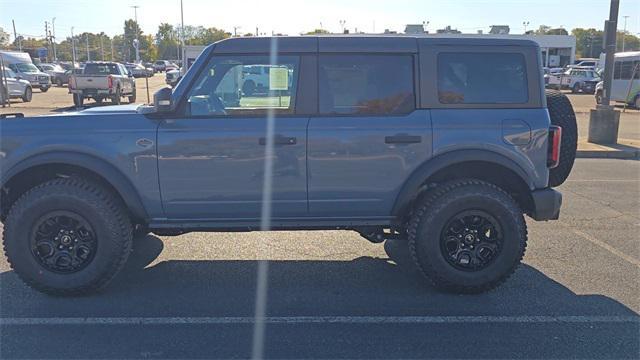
[103,168]
[411,186]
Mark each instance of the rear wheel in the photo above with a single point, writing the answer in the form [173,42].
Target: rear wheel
[78,100]
[116,97]
[67,237]
[467,236]
[44,89]
[59,82]
[28,94]
[576,88]
[561,113]
[599,97]
[132,97]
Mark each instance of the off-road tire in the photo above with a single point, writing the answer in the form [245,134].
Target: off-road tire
[78,100]
[28,94]
[102,209]
[562,114]
[430,218]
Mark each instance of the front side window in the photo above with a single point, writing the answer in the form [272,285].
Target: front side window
[366,84]
[482,78]
[245,85]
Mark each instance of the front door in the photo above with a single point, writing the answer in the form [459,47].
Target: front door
[212,159]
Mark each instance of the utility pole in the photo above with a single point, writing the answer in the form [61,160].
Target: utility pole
[183,65]
[53,25]
[46,37]
[137,43]
[15,35]
[624,31]
[86,37]
[73,48]
[112,58]
[235,31]
[101,48]
[604,120]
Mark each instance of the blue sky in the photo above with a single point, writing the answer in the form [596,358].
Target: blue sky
[292,17]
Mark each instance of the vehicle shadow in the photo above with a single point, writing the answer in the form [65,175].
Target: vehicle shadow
[362,287]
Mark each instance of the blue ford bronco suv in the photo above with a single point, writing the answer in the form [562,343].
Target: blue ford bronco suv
[445,142]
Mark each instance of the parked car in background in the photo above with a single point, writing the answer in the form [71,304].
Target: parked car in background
[58,74]
[17,88]
[625,85]
[102,80]
[161,65]
[138,70]
[584,63]
[583,79]
[171,66]
[22,65]
[172,77]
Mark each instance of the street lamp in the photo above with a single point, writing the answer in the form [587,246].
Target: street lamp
[525,24]
[624,31]
[73,48]
[53,25]
[343,23]
[136,43]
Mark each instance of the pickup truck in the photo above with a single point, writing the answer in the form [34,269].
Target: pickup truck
[103,80]
[444,144]
[576,79]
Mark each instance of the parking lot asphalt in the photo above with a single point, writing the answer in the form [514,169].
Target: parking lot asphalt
[332,294]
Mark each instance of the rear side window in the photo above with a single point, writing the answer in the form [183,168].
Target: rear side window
[366,84]
[482,78]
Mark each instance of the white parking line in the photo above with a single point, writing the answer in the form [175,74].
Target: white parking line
[315,320]
[607,247]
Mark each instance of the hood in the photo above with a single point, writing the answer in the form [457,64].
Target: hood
[112,109]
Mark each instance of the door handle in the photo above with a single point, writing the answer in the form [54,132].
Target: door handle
[402,139]
[280,140]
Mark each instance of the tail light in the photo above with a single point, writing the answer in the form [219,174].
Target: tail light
[110,82]
[553,154]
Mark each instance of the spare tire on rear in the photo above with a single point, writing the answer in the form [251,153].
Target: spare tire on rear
[561,113]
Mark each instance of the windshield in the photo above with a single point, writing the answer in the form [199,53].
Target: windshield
[26,68]
[101,69]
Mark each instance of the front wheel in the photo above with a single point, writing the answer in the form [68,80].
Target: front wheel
[576,88]
[467,236]
[59,82]
[599,97]
[44,89]
[67,236]
[28,95]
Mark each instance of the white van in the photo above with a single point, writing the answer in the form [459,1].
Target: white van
[20,63]
[625,86]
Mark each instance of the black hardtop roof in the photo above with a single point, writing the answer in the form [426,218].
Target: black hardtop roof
[358,43]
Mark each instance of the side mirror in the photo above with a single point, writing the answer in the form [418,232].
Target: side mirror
[162,100]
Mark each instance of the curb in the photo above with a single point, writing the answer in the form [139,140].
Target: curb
[608,154]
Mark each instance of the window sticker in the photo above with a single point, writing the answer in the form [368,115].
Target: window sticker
[278,79]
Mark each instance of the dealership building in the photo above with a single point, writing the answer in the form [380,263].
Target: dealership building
[557,50]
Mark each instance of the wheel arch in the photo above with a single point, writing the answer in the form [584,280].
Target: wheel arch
[478,164]
[43,167]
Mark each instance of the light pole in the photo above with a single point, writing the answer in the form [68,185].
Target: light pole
[73,48]
[235,30]
[624,31]
[53,25]
[424,26]
[525,24]
[182,35]
[136,43]
[86,37]
[342,24]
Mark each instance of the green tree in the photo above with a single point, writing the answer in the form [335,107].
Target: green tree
[317,32]
[589,42]
[548,30]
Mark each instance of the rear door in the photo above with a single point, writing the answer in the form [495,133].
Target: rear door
[368,136]
[212,158]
